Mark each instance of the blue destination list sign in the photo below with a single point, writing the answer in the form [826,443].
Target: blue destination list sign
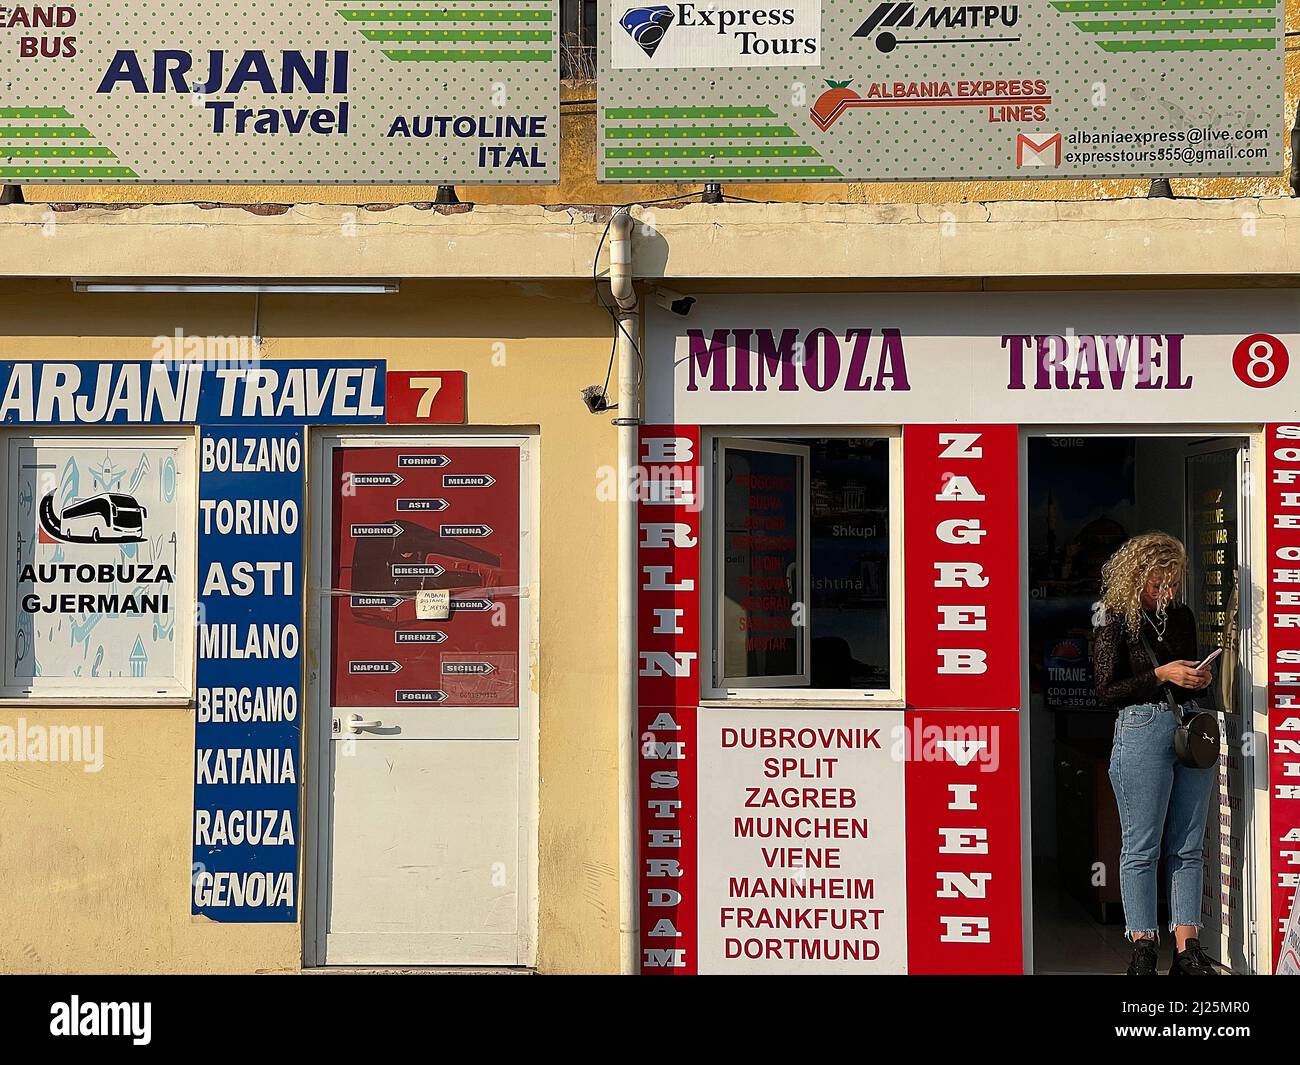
[248,712]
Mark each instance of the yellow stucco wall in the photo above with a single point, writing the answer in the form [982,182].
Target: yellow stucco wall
[94,868]
[578,177]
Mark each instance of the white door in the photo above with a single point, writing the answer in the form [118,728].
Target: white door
[424,843]
[1217,535]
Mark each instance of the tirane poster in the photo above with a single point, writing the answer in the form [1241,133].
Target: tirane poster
[97,566]
[436,520]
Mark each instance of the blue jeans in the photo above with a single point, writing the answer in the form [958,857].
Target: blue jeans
[1160,801]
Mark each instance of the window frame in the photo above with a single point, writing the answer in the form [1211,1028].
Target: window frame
[802,678]
[713,690]
[176,689]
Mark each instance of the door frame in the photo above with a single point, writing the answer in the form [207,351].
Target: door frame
[1253,518]
[314,826]
[1247,639]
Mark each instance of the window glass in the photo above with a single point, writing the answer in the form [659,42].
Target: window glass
[804,564]
[850,563]
[763,568]
[100,548]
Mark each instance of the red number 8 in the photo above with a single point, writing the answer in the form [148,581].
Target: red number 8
[1260,361]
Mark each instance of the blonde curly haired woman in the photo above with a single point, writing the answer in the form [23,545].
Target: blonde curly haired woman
[1162,803]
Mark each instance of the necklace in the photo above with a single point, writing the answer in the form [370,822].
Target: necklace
[1159,630]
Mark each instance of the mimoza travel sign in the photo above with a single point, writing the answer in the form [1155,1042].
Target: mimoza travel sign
[303,91]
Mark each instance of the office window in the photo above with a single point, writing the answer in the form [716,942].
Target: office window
[802,565]
[99,595]
[578,39]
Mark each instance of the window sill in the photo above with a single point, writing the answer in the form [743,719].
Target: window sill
[751,700]
[90,701]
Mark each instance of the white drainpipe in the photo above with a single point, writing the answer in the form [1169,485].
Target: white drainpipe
[628,421]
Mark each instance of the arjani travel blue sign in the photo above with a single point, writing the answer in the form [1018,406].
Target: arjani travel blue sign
[248,715]
[166,392]
[249,622]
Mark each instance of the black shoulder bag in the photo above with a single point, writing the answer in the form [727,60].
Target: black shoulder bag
[1196,739]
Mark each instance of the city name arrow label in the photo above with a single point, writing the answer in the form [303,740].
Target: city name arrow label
[468,480]
[374,667]
[426,505]
[467,669]
[420,696]
[416,569]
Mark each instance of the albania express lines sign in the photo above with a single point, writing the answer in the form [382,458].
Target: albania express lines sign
[251,463]
[286,91]
[801,90]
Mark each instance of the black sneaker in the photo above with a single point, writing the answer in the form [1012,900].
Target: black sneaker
[1145,955]
[1192,962]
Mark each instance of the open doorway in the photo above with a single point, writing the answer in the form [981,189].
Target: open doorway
[1086,494]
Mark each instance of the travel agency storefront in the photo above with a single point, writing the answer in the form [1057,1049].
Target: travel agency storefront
[282,688]
[870,542]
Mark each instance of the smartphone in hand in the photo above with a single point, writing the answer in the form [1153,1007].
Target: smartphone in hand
[1209,658]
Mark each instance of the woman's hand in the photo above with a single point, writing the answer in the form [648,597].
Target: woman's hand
[1184,674]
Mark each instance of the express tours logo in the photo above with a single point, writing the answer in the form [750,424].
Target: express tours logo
[647,26]
[756,33]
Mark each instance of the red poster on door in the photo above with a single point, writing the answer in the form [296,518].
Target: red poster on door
[444,521]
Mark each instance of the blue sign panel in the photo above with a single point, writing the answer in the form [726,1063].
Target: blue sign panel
[166,392]
[248,712]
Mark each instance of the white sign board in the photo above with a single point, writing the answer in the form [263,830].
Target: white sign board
[101,552]
[803,854]
[1055,358]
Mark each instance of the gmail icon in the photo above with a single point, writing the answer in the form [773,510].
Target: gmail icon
[1038,149]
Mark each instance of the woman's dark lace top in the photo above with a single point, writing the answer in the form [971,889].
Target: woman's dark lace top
[1123,671]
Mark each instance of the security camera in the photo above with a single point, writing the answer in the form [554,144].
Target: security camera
[674,301]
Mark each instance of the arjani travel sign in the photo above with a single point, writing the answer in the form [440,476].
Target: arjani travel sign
[104,547]
[807,90]
[280,91]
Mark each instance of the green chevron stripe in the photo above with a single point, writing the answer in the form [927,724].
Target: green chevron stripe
[44,132]
[696,173]
[1192,44]
[689,112]
[696,132]
[1098,7]
[467,55]
[388,36]
[52,172]
[1169,25]
[34,112]
[717,151]
[75,152]
[471,15]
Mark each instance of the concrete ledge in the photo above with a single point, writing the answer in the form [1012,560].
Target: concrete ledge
[1244,238]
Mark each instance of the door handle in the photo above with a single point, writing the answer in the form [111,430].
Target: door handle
[355,723]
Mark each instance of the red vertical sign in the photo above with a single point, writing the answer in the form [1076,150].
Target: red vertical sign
[1282,471]
[668,689]
[962,566]
[964,894]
